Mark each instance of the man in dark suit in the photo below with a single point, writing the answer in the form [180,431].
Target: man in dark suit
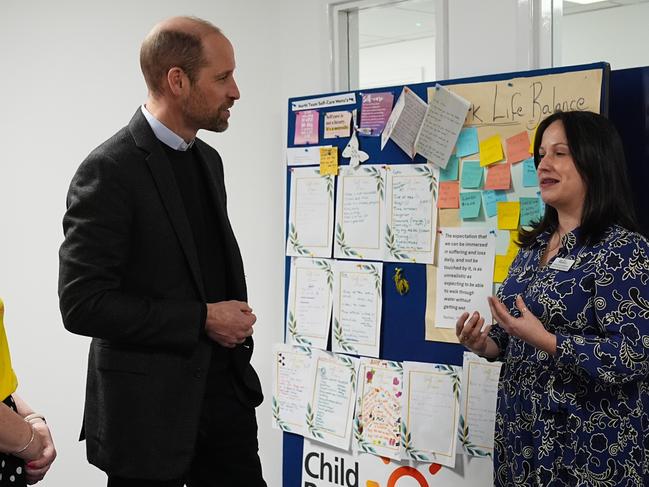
[151,270]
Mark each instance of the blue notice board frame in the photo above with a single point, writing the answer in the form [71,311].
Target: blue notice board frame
[403,324]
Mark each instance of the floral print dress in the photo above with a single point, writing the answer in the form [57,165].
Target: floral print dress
[580,418]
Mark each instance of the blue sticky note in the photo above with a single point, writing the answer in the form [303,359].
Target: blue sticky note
[470,204]
[467,142]
[471,175]
[529,173]
[451,170]
[530,210]
[491,199]
[541,203]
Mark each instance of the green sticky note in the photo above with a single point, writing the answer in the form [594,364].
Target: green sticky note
[530,210]
[491,198]
[451,171]
[471,174]
[470,204]
[529,173]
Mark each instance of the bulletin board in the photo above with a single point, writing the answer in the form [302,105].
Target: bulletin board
[503,104]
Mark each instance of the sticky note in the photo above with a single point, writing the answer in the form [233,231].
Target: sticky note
[449,194]
[471,175]
[491,150]
[501,267]
[449,217]
[499,176]
[329,160]
[470,204]
[306,127]
[541,203]
[532,141]
[529,173]
[518,147]
[508,214]
[337,124]
[513,247]
[490,199]
[450,172]
[467,142]
[530,210]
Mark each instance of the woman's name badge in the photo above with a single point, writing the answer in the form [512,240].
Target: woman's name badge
[561,264]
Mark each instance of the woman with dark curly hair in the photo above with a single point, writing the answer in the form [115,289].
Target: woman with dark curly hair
[572,322]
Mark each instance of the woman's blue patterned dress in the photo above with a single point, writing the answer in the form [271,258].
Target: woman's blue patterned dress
[580,418]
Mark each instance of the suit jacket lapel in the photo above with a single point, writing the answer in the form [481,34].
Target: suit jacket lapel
[166,183]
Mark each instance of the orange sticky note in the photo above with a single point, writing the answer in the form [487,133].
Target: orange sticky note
[449,194]
[508,214]
[518,147]
[491,150]
[499,176]
[502,264]
[329,161]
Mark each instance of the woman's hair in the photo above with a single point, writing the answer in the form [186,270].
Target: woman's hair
[597,152]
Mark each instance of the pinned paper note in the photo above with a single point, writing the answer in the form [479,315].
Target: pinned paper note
[530,177]
[471,175]
[303,156]
[306,127]
[490,199]
[491,150]
[530,210]
[329,161]
[449,195]
[375,111]
[499,177]
[518,147]
[501,266]
[337,124]
[470,204]
[450,172]
[404,122]
[508,214]
[467,142]
[441,126]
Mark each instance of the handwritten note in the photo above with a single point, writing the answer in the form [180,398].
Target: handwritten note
[431,412]
[449,195]
[377,427]
[530,178]
[471,175]
[508,214]
[441,125]
[411,215]
[450,172]
[518,147]
[491,150]
[360,213]
[470,204]
[306,127]
[328,160]
[465,269]
[292,375]
[404,122]
[357,308]
[491,198]
[310,301]
[530,210]
[467,142]
[479,395]
[337,124]
[375,111]
[499,177]
[330,412]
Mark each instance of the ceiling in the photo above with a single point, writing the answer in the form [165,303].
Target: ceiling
[415,19]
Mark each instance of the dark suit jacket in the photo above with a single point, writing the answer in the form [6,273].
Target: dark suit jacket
[130,278]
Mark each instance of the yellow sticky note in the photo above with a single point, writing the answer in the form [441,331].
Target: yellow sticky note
[491,150]
[512,249]
[532,142]
[501,267]
[329,161]
[508,214]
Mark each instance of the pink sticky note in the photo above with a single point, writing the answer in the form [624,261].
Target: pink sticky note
[449,194]
[518,147]
[499,177]
[306,127]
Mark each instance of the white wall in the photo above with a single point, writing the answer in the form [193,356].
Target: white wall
[617,35]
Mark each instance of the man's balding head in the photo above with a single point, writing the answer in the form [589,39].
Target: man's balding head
[174,42]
